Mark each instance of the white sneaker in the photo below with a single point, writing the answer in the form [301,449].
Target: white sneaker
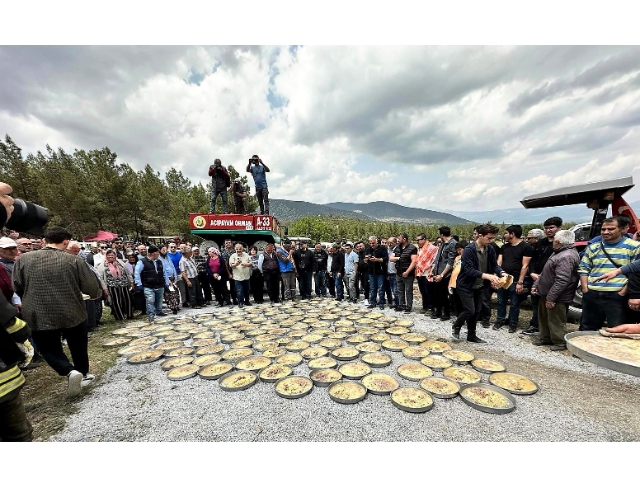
[74,383]
[87,380]
[365,302]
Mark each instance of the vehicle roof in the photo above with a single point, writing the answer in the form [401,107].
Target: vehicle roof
[581,193]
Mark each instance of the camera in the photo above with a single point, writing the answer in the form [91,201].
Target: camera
[28,217]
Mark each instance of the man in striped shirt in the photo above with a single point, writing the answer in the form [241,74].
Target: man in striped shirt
[606,300]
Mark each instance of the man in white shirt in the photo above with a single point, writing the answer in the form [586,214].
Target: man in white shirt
[240,264]
[189,272]
[350,271]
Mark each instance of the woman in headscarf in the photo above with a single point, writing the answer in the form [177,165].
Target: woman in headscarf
[218,277]
[119,282]
[256,281]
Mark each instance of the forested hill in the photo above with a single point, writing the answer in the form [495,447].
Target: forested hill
[384,211]
[288,210]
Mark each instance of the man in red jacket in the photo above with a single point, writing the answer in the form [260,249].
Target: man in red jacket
[220,181]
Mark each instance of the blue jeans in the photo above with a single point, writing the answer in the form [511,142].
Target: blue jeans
[598,306]
[242,290]
[214,198]
[514,310]
[376,286]
[338,283]
[321,289]
[153,298]
[391,288]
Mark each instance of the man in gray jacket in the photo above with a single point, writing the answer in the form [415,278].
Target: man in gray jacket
[556,286]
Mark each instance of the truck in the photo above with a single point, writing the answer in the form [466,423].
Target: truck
[248,230]
[605,198]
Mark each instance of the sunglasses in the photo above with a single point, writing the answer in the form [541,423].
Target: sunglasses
[103,248]
[419,239]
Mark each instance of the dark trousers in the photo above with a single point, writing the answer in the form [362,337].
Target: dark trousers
[242,290]
[471,307]
[233,290]
[515,300]
[220,290]
[330,283]
[405,291]
[14,424]
[339,286]
[195,292]
[423,286]
[263,200]
[256,283]
[203,279]
[441,297]
[273,285]
[454,302]
[533,322]
[90,305]
[304,283]
[363,280]
[319,283]
[485,314]
[50,346]
[601,306]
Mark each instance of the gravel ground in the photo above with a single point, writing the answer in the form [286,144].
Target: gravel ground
[138,403]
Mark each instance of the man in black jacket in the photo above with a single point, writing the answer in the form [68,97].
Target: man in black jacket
[303,260]
[363,272]
[377,258]
[337,270]
[320,257]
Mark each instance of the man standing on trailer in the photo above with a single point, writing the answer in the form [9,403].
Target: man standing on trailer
[258,171]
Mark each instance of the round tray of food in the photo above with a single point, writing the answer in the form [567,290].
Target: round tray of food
[354,370]
[345,353]
[314,352]
[414,371]
[137,334]
[330,343]
[291,359]
[176,362]
[436,362]
[487,398]
[381,384]
[368,331]
[412,400]
[204,335]
[177,336]
[462,376]
[349,330]
[440,387]
[337,335]
[204,360]
[145,357]
[203,342]
[514,383]
[231,337]
[296,346]
[253,363]
[163,334]
[274,352]
[127,351]
[275,372]
[116,342]
[283,340]
[255,333]
[435,346]
[376,359]
[219,348]
[262,346]
[368,347]
[324,377]
[183,372]
[458,356]
[397,330]
[322,363]
[355,339]
[347,392]
[244,343]
[167,346]
[413,338]
[487,366]
[294,387]
[215,371]
[235,354]
[379,337]
[394,345]
[621,354]
[237,380]
[148,341]
[415,352]
[176,352]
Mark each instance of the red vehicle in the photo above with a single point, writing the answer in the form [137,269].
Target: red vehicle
[599,196]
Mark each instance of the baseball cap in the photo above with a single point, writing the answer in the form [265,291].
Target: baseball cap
[7,243]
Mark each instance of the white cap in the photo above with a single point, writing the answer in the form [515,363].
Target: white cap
[7,243]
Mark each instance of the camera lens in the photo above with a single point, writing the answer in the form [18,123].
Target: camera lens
[28,217]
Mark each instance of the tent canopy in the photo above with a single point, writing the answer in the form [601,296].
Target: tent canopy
[101,236]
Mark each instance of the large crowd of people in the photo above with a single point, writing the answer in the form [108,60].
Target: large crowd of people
[55,290]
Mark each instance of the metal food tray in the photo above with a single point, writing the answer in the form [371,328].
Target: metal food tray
[380,393]
[319,383]
[348,401]
[519,393]
[345,359]
[487,371]
[293,396]
[145,361]
[623,367]
[376,365]
[413,379]
[217,376]
[184,377]
[242,388]
[487,409]
[270,380]
[354,377]
[408,409]
[442,396]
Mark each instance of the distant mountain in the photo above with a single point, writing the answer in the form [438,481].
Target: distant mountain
[384,211]
[572,213]
[287,210]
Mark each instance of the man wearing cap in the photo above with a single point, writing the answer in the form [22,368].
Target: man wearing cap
[8,254]
[219,184]
[239,196]
[258,171]
[150,277]
[118,247]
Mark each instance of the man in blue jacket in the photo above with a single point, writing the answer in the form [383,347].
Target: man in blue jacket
[479,269]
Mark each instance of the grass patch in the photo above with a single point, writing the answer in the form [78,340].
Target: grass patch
[45,392]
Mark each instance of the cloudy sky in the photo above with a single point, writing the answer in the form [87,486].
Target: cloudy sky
[458,128]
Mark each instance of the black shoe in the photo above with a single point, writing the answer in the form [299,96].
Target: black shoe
[248,304]
[498,324]
[456,335]
[407,311]
[175,311]
[161,314]
[485,324]
[382,306]
[435,315]
[558,348]
[371,306]
[399,309]
[445,317]
[539,343]
[513,328]
[475,339]
[31,365]
[37,358]
[529,331]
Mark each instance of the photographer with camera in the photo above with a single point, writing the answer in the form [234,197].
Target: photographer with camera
[239,196]
[220,181]
[258,171]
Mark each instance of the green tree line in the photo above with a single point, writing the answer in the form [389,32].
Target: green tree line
[86,191]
